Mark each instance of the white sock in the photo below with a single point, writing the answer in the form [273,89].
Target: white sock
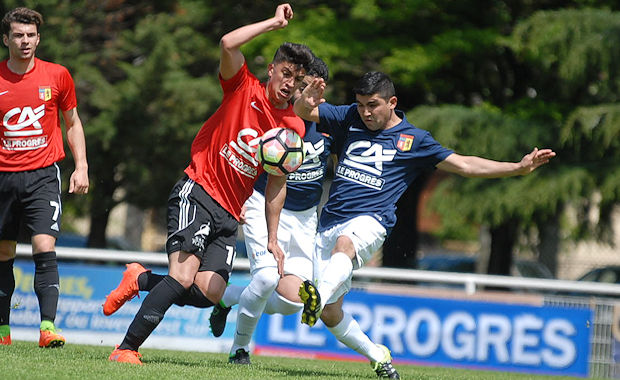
[277,304]
[348,331]
[231,295]
[251,305]
[335,274]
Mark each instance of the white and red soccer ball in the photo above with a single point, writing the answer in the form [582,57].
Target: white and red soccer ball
[280,151]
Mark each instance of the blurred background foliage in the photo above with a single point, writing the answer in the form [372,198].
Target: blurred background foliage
[492,78]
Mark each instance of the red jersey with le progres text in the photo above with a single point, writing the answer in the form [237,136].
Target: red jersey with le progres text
[223,152]
[30,134]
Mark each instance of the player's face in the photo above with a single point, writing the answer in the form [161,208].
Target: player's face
[22,40]
[284,79]
[375,111]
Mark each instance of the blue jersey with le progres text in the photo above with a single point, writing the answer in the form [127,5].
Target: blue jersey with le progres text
[374,168]
[305,186]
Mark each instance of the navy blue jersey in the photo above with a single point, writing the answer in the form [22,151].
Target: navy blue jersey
[374,168]
[305,186]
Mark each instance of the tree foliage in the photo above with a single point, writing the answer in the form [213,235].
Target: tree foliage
[492,80]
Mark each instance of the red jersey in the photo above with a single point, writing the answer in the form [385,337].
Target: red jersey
[31,137]
[223,152]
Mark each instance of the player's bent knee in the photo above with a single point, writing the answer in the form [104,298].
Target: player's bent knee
[332,314]
[264,280]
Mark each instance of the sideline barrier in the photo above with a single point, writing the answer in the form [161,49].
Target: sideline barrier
[541,333]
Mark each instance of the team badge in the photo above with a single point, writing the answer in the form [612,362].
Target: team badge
[404,142]
[45,93]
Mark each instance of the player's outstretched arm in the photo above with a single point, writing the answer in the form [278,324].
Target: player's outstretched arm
[307,106]
[473,166]
[231,57]
[78,182]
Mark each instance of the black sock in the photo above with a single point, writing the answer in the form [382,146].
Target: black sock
[152,311]
[7,286]
[195,297]
[46,284]
[148,280]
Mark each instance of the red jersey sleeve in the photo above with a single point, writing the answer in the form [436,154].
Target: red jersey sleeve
[239,79]
[66,97]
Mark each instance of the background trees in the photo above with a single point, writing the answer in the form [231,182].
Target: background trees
[492,79]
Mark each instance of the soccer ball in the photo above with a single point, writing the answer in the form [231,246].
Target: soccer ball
[280,151]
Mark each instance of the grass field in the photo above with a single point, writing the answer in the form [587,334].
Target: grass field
[25,360]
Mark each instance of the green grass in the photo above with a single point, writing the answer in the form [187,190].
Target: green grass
[25,360]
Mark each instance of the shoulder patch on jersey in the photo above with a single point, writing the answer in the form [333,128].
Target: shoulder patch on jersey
[405,142]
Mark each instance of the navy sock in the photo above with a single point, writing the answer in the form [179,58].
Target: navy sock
[152,311]
[7,286]
[46,284]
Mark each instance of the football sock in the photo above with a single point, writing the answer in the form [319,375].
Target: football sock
[152,311]
[252,303]
[231,295]
[7,286]
[147,280]
[348,331]
[277,304]
[335,274]
[46,284]
[195,297]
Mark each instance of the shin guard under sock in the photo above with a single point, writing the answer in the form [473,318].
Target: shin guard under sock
[7,286]
[152,311]
[46,284]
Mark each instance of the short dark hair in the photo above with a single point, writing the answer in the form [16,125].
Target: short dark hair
[297,54]
[318,68]
[375,82]
[23,16]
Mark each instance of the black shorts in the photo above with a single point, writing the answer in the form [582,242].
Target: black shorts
[198,224]
[30,198]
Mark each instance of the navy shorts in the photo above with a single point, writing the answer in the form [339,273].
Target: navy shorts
[32,199]
[197,224]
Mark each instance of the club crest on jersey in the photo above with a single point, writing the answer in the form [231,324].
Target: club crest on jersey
[45,93]
[405,142]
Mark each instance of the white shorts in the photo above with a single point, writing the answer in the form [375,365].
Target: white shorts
[367,235]
[296,234]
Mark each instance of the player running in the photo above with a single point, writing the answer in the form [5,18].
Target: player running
[382,153]
[32,93]
[205,205]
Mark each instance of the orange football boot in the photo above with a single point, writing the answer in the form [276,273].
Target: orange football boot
[126,290]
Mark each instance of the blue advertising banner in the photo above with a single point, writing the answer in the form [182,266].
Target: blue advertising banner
[447,332]
[83,288]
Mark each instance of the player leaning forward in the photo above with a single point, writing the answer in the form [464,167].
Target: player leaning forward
[204,206]
[382,154]
[32,93]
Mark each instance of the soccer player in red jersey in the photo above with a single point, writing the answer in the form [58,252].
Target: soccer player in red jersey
[204,206]
[32,93]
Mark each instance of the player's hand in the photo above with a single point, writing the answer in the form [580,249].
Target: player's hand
[534,159]
[278,254]
[78,183]
[242,215]
[312,95]
[284,12]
